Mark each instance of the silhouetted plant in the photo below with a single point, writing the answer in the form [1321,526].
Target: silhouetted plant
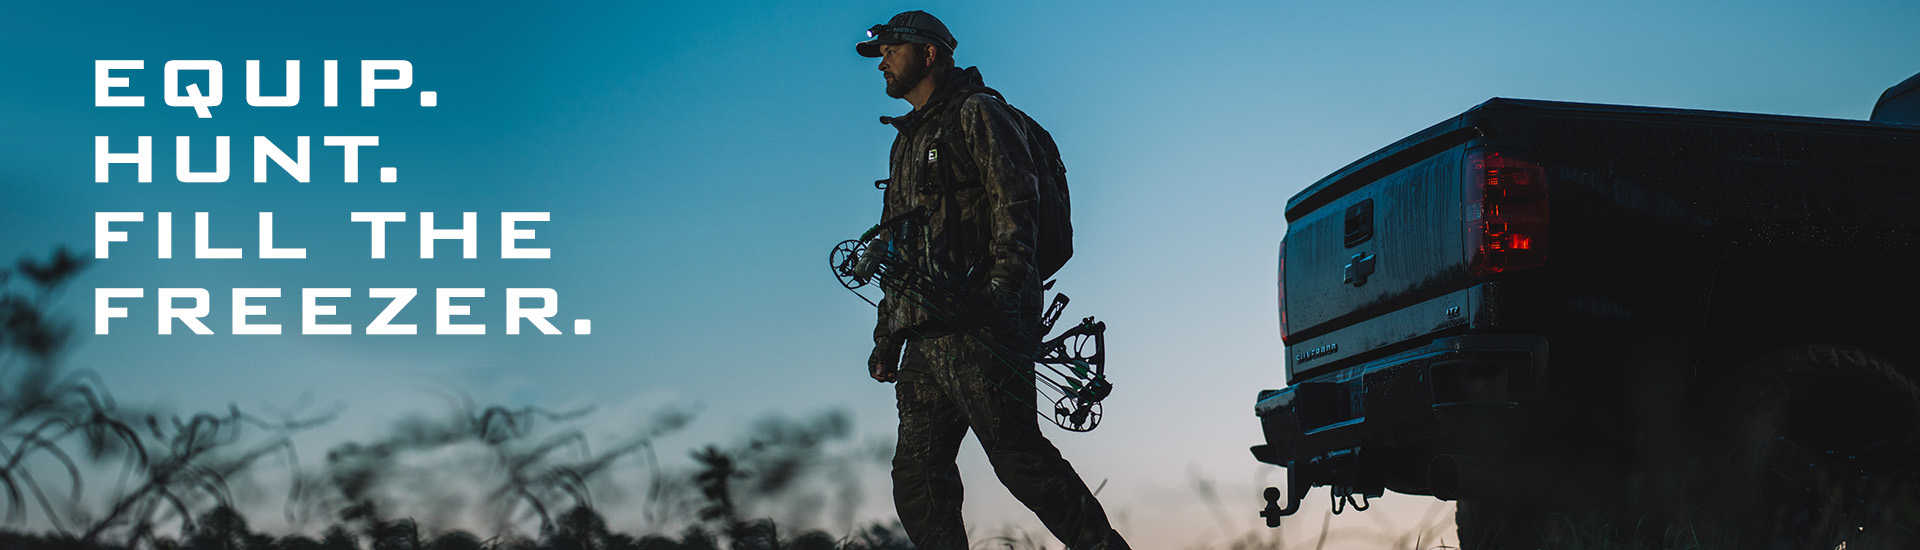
[456,540]
[657,542]
[811,540]
[190,462]
[754,535]
[41,407]
[696,537]
[715,479]
[778,468]
[297,541]
[878,536]
[222,528]
[338,537]
[178,466]
[535,462]
[176,470]
[582,528]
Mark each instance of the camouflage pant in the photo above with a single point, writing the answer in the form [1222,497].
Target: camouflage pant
[952,383]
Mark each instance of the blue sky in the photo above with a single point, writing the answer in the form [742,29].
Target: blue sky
[700,159]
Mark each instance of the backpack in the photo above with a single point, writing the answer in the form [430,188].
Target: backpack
[1053,223]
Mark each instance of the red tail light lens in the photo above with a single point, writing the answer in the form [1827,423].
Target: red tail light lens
[1506,213]
[1283,291]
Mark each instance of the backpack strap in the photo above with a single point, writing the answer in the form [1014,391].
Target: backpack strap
[952,143]
[962,170]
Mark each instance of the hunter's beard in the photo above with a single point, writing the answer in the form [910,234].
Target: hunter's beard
[905,80]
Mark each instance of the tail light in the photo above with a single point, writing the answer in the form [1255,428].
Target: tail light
[1506,213]
[1283,291]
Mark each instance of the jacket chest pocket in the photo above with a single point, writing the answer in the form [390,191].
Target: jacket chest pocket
[941,170]
[960,229]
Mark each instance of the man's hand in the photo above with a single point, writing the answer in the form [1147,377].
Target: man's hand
[884,364]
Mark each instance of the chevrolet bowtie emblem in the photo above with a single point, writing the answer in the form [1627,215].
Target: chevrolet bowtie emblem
[1359,268]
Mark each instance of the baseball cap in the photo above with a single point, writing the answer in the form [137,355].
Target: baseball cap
[912,26]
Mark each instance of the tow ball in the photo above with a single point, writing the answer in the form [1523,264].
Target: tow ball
[1273,513]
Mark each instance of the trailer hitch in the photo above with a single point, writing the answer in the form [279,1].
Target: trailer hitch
[1295,493]
[1338,470]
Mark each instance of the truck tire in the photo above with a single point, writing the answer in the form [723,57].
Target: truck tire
[1487,525]
[1811,447]
[1563,523]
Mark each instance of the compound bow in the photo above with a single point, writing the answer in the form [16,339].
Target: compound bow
[1073,363]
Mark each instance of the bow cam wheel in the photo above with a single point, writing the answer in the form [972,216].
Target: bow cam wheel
[843,259]
[1074,417]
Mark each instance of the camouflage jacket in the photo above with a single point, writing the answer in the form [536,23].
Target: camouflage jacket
[979,233]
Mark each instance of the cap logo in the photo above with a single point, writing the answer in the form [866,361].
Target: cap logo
[882,30]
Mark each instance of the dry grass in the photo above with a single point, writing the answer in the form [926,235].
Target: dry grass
[540,473]
[536,469]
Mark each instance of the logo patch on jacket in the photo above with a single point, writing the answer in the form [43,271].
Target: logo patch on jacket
[933,155]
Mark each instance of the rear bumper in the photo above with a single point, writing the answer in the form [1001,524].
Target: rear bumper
[1379,425]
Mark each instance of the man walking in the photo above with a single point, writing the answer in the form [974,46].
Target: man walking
[976,227]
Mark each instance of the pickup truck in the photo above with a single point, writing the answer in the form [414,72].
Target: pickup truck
[1684,323]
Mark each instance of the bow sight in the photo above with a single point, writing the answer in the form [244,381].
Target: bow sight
[1071,369]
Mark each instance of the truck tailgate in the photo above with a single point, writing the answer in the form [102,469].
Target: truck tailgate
[1378,236]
